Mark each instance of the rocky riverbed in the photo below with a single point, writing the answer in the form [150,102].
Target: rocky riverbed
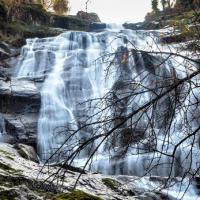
[22,177]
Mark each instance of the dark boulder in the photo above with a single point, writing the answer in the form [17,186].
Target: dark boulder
[21,128]
[69,22]
[4,51]
[27,152]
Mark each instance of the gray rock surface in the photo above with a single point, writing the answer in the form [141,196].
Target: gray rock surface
[21,178]
[20,104]
[91,17]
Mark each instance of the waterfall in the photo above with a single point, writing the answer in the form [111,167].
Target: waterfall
[76,67]
[73,74]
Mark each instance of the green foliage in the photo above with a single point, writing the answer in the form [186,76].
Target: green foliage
[76,195]
[3,11]
[154,5]
[163,3]
[61,6]
[188,4]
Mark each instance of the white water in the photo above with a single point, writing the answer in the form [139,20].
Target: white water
[74,68]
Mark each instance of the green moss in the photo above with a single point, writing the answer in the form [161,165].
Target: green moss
[76,195]
[5,167]
[9,157]
[29,31]
[22,153]
[111,183]
[8,168]
[4,152]
[34,8]
[8,195]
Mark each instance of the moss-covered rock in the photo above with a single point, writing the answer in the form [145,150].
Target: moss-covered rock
[69,22]
[111,183]
[15,33]
[8,195]
[5,167]
[173,38]
[27,152]
[117,187]
[76,195]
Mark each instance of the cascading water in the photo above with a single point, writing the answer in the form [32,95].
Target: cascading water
[74,77]
[76,67]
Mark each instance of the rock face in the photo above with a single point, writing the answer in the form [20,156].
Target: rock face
[4,51]
[97,27]
[24,178]
[26,152]
[91,17]
[20,104]
[69,22]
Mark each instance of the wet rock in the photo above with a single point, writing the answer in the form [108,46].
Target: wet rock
[19,107]
[23,177]
[19,96]
[27,152]
[5,47]
[5,72]
[133,26]
[18,192]
[20,128]
[97,27]
[4,51]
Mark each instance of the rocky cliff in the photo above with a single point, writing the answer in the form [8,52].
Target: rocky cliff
[21,174]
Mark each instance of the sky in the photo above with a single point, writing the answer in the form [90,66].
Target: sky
[114,11]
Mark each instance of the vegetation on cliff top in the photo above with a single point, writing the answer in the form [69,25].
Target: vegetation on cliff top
[27,19]
[60,7]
